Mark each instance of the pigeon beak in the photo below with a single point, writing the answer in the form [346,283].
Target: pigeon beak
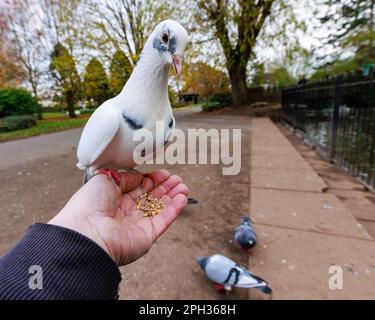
[177,63]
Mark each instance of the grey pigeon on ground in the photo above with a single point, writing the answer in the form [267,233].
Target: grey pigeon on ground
[245,234]
[226,273]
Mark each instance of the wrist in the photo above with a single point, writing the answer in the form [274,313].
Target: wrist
[83,227]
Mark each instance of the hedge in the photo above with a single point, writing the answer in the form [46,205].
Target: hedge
[13,123]
[15,102]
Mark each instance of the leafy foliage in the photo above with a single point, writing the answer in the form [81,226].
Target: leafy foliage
[63,70]
[13,123]
[353,23]
[14,102]
[280,76]
[218,101]
[120,70]
[202,79]
[95,82]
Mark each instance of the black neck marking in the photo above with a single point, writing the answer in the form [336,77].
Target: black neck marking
[170,124]
[133,124]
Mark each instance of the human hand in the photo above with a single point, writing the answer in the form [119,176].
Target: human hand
[107,213]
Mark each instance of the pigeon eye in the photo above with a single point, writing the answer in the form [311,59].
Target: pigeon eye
[165,38]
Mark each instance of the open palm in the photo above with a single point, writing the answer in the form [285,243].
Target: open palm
[108,214]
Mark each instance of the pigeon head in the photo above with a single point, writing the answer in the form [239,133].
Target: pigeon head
[202,261]
[245,220]
[169,40]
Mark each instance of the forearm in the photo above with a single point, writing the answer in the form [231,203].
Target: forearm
[51,262]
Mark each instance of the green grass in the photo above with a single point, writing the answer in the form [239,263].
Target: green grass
[44,126]
[49,115]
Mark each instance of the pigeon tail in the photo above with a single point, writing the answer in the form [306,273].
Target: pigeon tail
[192,201]
[266,289]
[87,175]
[81,166]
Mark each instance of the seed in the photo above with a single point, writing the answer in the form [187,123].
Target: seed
[150,206]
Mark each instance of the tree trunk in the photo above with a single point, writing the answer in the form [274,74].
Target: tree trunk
[39,110]
[70,103]
[237,75]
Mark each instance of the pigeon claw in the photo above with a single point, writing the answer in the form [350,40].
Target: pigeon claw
[219,287]
[111,174]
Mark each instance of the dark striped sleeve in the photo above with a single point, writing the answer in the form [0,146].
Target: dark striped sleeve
[52,262]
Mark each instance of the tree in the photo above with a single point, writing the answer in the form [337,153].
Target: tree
[63,70]
[259,74]
[279,76]
[237,25]
[25,37]
[126,24]
[95,82]
[120,70]
[352,30]
[202,79]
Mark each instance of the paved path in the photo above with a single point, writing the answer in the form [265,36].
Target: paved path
[303,230]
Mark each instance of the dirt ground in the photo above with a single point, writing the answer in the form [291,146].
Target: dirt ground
[38,176]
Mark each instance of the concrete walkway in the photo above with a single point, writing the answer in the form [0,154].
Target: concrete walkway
[302,230]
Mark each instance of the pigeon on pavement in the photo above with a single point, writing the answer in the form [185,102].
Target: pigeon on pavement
[107,142]
[226,273]
[245,235]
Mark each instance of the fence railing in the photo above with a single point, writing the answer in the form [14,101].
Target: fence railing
[337,115]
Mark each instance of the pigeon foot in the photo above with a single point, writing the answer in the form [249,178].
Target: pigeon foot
[111,174]
[219,287]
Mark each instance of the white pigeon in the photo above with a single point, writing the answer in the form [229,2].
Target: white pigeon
[226,273]
[107,139]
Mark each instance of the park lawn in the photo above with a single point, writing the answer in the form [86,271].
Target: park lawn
[53,115]
[43,127]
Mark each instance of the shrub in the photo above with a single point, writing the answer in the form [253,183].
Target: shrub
[15,102]
[87,111]
[218,101]
[223,98]
[52,109]
[12,123]
[211,106]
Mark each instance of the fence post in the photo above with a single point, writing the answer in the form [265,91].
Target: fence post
[337,100]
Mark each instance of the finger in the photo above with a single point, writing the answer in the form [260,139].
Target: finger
[158,176]
[150,180]
[164,219]
[130,180]
[166,186]
[181,188]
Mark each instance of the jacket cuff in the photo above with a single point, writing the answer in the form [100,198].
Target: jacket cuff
[72,266]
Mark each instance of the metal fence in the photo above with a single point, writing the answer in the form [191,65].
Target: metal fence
[337,115]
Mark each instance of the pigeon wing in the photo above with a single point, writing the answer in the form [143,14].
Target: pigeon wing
[218,268]
[249,280]
[97,134]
